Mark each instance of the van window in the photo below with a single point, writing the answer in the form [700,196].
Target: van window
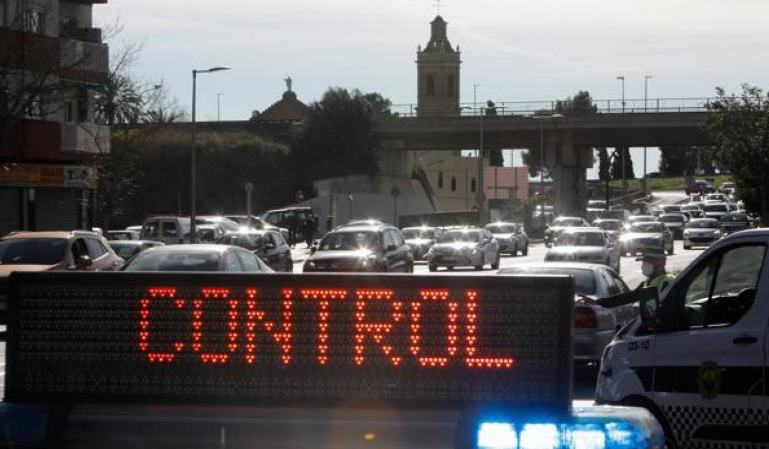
[150,231]
[169,229]
[723,289]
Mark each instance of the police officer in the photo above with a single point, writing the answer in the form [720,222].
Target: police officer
[653,268]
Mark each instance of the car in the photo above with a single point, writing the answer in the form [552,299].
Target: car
[700,186]
[646,234]
[611,226]
[511,237]
[594,326]
[734,222]
[692,207]
[269,245]
[365,222]
[674,222]
[561,223]
[464,247]
[715,210]
[671,208]
[591,245]
[298,217]
[718,197]
[170,230]
[254,222]
[123,235]
[361,249]
[701,232]
[594,208]
[223,223]
[616,214]
[727,188]
[56,251]
[420,239]
[197,257]
[126,249]
[640,218]
[209,233]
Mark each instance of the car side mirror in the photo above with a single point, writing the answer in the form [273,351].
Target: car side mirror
[391,248]
[649,303]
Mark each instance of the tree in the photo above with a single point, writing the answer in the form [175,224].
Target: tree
[682,161]
[337,138]
[616,166]
[581,103]
[603,164]
[738,125]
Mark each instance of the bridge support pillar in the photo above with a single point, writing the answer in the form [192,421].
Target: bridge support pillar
[568,164]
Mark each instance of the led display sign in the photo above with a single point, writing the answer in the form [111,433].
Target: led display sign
[408,340]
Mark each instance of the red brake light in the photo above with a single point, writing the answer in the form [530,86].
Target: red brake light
[584,318]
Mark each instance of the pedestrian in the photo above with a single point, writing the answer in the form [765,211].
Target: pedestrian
[308,229]
[653,263]
[292,225]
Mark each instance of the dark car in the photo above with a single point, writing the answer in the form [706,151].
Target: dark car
[127,249]
[270,246]
[420,239]
[361,248]
[196,257]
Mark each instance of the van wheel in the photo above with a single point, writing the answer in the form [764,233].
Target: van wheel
[289,266]
[670,251]
[525,251]
[481,263]
[433,268]
[495,265]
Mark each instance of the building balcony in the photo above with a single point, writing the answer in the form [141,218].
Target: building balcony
[46,141]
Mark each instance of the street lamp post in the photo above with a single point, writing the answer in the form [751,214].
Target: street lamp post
[622,79]
[479,191]
[646,99]
[218,109]
[193,166]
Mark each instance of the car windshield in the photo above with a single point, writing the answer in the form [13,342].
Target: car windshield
[174,261]
[427,234]
[584,280]
[567,222]
[349,241]
[715,208]
[704,224]
[32,251]
[254,240]
[609,225]
[581,239]
[125,251]
[641,218]
[647,227]
[671,218]
[460,236]
[500,229]
[671,208]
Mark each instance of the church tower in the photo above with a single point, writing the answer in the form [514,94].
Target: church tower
[438,73]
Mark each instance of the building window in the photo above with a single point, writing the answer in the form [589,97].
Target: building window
[34,19]
[430,85]
[34,107]
[440,180]
[472,185]
[82,105]
[69,111]
[450,86]
[453,183]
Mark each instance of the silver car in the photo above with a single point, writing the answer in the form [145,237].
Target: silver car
[511,237]
[420,240]
[675,222]
[464,247]
[594,326]
[644,235]
[701,232]
[591,245]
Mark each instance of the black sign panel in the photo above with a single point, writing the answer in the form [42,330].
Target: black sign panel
[408,340]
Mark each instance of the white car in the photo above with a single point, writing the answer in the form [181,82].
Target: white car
[464,247]
[701,232]
[591,245]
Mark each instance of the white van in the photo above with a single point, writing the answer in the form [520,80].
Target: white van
[167,229]
[697,358]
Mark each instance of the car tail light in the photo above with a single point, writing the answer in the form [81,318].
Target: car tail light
[584,318]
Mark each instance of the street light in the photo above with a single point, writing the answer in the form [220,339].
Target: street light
[193,166]
[622,79]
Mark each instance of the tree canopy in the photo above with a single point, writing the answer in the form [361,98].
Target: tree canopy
[739,128]
[337,138]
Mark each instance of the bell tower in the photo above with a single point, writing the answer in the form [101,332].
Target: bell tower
[438,73]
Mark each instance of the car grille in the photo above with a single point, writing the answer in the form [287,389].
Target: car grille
[650,242]
[337,265]
[701,239]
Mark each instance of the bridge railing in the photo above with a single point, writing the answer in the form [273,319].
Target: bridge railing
[530,108]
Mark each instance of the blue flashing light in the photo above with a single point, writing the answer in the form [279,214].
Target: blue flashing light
[577,434]
[540,436]
[497,436]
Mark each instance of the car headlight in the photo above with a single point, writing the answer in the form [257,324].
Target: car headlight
[310,264]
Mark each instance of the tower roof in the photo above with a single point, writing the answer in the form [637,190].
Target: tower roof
[288,109]
[439,40]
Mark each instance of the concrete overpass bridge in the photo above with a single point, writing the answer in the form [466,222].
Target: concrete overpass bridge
[567,139]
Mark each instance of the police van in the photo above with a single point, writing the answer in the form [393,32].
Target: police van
[697,357]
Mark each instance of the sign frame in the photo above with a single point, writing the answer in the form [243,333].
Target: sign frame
[561,285]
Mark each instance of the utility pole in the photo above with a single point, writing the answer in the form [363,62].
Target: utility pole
[622,79]
[646,99]
[218,109]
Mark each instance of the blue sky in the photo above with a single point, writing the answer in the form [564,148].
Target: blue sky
[515,50]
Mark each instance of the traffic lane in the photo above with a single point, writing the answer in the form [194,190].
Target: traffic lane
[536,254]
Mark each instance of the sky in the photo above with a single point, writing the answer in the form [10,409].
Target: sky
[514,50]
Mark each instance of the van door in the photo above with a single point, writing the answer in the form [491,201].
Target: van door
[708,377]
